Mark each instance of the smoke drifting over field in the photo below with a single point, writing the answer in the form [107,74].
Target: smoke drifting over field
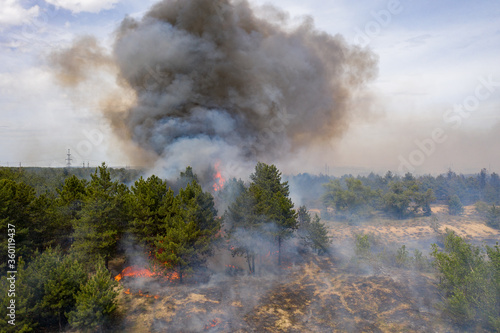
[212,80]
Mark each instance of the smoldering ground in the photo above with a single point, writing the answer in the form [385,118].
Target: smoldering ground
[319,294]
[212,80]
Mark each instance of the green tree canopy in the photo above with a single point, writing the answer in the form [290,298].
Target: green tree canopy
[262,212]
[95,302]
[407,196]
[455,206]
[355,198]
[468,281]
[187,232]
[312,233]
[148,203]
[103,217]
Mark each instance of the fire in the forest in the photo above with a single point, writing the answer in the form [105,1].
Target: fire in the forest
[218,179]
[140,293]
[140,272]
[134,271]
[213,323]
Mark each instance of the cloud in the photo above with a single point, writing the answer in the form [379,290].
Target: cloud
[77,6]
[12,13]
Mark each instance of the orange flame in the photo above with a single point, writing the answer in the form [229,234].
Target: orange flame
[140,293]
[135,271]
[219,180]
[213,323]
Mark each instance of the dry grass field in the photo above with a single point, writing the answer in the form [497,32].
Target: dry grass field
[468,225]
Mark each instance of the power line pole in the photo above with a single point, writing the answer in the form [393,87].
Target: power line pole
[68,159]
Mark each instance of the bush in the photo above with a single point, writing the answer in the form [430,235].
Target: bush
[363,246]
[402,257]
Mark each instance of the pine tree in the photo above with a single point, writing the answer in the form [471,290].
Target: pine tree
[493,216]
[467,281]
[103,217]
[181,245]
[72,195]
[95,301]
[46,289]
[24,314]
[318,236]
[149,202]
[232,189]
[244,228]
[16,201]
[354,199]
[188,230]
[185,177]
[61,287]
[272,202]
[263,212]
[199,206]
[313,234]
[398,199]
[49,226]
[455,206]
[304,223]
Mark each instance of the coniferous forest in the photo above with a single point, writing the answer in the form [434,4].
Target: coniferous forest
[70,225]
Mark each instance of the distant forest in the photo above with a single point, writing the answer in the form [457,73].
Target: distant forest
[399,196]
[68,224]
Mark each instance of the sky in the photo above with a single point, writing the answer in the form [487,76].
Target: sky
[435,104]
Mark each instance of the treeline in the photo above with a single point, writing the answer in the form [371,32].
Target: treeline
[66,236]
[49,180]
[407,196]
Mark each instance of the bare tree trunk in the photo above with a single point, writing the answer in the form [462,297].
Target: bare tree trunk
[260,262]
[279,250]
[249,263]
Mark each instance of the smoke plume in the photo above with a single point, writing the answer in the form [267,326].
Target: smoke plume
[212,80]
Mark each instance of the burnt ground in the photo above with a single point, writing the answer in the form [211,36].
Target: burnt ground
[313,293]
[319,294]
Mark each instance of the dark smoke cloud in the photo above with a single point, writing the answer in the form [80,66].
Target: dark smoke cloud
[214,81]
